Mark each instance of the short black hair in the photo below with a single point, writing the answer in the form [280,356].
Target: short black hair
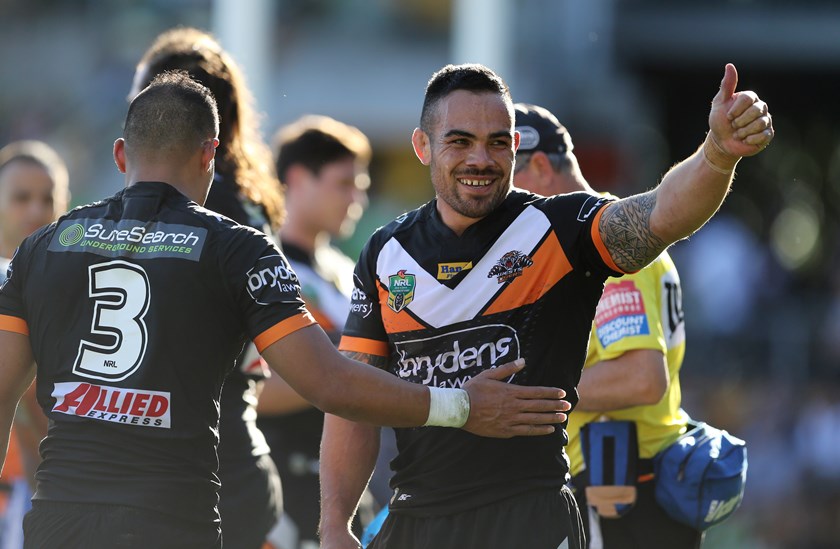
[315,141]
[471,77]
[174,112]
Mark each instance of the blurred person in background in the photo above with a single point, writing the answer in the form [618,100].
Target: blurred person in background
[323,166]
[245,189]
[34,191]
[635,352]
[528,273]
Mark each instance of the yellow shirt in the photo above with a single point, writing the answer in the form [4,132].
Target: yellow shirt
[639,311]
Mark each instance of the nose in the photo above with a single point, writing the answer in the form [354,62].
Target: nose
[479,156]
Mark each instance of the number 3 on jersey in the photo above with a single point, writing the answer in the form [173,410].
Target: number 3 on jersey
[120,293]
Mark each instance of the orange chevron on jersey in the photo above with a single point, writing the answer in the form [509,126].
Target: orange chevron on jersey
[549,266]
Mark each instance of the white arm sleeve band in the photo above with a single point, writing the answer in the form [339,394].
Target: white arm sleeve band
[448,407]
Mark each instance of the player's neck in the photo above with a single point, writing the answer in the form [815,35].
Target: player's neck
[186,184]
[294,232]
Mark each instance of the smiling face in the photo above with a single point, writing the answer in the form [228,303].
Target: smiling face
[470,149]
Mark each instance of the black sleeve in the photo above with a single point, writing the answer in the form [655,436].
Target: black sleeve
[263,286]
[575,219]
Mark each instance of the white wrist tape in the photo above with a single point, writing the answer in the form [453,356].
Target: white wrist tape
[448,407]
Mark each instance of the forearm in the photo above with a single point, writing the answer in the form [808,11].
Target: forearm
[338,385]
[636,378]
[638,228]
[692,191]
[348,457]
[278,398]
[360,392]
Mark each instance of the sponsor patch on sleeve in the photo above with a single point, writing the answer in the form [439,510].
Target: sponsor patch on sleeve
[272,280]
[590,206]
[360,304]
[113,404]
[620,313]
[6,270]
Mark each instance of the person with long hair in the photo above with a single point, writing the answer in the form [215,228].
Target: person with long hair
[246,190]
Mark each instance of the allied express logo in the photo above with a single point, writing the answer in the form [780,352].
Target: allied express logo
[72,235]
[510,266]
[113,404]
[401,288]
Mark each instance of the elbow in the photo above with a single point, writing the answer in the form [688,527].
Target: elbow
[653,390]
[331,399]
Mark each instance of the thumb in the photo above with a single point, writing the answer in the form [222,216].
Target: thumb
[727,85]
[505,370]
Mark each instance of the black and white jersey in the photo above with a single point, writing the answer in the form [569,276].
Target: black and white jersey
[4,266]
[136,308]
[522,282]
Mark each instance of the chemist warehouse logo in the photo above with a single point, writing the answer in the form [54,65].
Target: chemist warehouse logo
[129,239]
[620,313]
[113,404]
[271,280]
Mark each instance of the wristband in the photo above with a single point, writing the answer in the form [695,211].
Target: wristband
[448,407]
[715,156]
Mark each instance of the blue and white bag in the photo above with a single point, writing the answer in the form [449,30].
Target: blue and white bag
[700,478]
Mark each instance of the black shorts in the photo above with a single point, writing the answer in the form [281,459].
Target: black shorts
[545,519]
[250,502]
[68,525]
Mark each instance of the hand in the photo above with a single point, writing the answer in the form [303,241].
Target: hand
[339,538]
[740,122]
[504,410]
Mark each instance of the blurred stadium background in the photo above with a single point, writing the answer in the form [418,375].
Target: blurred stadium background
[631,79]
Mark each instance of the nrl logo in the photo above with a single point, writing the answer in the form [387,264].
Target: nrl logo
[510,266]
[401,290]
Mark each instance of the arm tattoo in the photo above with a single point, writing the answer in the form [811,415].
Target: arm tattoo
[625,230]
[376,361]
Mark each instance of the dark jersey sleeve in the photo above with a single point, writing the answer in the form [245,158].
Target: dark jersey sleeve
[364,331]
[264,288]
[12,317]
[576,215]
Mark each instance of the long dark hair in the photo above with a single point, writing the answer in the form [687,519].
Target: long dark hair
[242,157]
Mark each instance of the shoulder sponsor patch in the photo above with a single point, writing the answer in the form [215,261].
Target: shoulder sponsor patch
[113,404]
[5,270]
[272,280]
[449,270]
[620,313]
[128,238]
[401,288]
[360,303]
[590,205]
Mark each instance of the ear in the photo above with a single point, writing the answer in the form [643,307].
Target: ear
[542,165]
[517,137]
[422,146]
[119,154]
[208,153]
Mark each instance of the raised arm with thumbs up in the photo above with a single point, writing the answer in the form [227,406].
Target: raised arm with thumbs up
[637,229]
